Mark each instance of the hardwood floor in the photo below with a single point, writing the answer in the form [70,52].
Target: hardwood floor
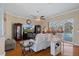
[67,50]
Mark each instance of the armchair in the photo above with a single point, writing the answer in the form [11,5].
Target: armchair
[41,42]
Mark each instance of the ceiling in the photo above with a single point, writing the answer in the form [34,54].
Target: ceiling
[39,9]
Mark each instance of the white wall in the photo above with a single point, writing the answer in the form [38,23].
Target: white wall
[2,46]
[2,40]
[1,21]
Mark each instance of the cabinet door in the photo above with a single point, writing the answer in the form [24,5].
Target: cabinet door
[18,34]
[17,31]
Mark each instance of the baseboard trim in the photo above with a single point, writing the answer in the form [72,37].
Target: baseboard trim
[75,44]
[71,43]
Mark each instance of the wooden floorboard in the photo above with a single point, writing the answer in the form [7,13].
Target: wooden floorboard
[69,50]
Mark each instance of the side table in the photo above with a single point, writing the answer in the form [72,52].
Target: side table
[26,46]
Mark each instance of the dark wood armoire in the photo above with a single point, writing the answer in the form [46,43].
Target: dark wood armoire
[17,31]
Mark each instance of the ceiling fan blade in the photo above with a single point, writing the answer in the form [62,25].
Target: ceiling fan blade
[38,17]
[42,18]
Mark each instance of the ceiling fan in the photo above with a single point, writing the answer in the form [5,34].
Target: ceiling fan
[38,17]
